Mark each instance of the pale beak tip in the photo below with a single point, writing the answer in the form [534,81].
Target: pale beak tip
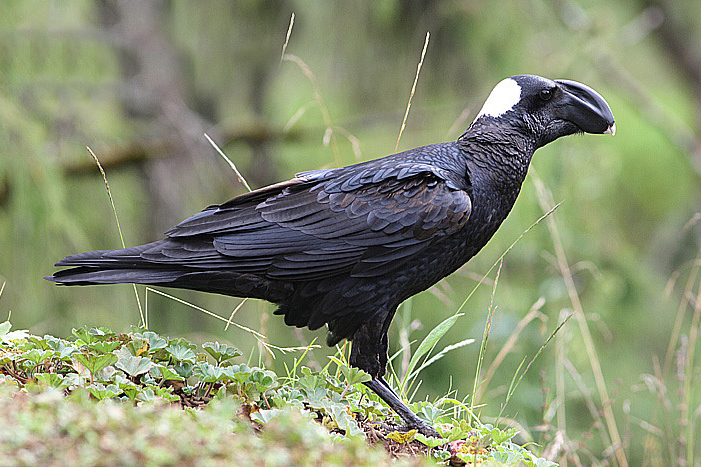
[611,130]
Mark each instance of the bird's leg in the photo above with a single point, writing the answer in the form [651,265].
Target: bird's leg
[383,381]
[383,354]
[378,386]
[369,353]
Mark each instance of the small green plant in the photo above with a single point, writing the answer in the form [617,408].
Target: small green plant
[145,369]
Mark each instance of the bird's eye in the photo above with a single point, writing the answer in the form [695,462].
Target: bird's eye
[546,94]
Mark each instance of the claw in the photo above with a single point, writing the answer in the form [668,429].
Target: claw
[380,387]
[427,430]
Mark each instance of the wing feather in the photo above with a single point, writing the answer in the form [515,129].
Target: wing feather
[365,220]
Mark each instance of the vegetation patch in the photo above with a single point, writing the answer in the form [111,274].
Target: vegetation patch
[141,398]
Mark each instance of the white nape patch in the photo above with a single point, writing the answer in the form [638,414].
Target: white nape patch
[505,95]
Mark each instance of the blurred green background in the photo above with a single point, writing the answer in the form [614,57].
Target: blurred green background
[141,82]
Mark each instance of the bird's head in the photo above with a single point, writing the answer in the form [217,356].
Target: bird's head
[546,109]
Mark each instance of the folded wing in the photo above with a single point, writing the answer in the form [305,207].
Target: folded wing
[362,222]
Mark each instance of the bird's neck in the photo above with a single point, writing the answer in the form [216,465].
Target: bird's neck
[499,157]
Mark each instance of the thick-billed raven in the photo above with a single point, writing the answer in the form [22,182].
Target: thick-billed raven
[344,247]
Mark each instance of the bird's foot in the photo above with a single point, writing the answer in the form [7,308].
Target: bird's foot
[382,389]
[423,428]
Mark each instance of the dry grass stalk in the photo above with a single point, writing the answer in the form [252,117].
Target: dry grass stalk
[533,313]
[142,315]
[545,200]
[413,90]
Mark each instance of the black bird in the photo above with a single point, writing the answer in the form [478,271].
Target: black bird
[344,247]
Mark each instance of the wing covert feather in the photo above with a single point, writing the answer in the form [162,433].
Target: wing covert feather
[365,221]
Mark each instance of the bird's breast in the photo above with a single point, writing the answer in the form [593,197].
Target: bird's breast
[490,209]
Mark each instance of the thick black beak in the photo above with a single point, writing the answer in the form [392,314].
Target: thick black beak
[584,107]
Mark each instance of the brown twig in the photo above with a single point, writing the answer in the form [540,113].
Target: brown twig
[137,152]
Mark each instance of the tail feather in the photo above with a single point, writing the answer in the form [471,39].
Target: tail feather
[90,275]
[160,263]
[225,282]
[114,267]
[123,258]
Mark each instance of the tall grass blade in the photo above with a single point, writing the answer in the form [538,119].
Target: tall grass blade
[509,345]
[231,164]
[287,37]
[329,135]
[514,382]
[144,318]
[429,343]
[413,90]
[485,337]
[257,335]
[238,307]
[207,312]
[439,355]
[691,415]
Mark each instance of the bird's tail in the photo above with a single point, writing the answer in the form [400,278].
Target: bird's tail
[113,267]
[132,265]
[91,275]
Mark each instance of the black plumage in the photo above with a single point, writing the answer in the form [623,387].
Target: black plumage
[344,247]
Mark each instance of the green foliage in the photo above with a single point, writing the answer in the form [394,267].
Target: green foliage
[131,365]
[220,352]
[142,376]
[43,428]
[95,363]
